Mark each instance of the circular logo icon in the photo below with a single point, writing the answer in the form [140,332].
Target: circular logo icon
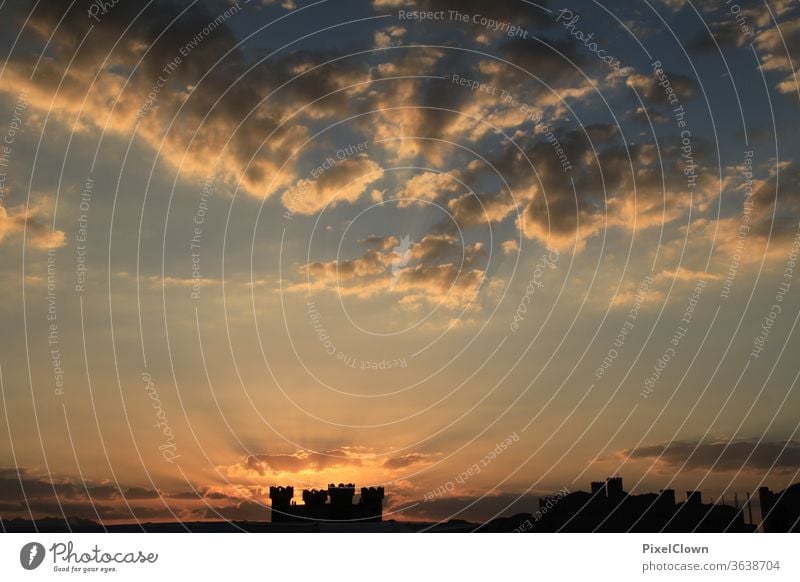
[31,555]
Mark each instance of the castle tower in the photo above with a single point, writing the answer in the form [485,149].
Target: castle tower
[341,497]
[315,497]
[614,489]
[370,507]
[281,498]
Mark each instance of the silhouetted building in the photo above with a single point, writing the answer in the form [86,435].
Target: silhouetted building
[609,508]
[694,498]
[614,490]
[780,511]
[332,504]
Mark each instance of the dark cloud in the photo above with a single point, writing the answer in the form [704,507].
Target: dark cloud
[437,269]
[441,281]
[345,181]
[725,33]
[616,184]
[405,461]
[383,243]
[645,117]
[747,455]
[437,248]
[474,209]
[202,493]
[372,263]
[440,111]
[24,484]
[23,490]
[38,233]
[215,108]
[779,192]
[648,87]
[779,46]
[553,64]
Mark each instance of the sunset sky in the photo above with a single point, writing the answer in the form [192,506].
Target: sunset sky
[296,243]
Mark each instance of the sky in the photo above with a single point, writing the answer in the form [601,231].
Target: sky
[473,253]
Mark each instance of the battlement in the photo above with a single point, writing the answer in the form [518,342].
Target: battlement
[315,496]
[371,494]
[281,494]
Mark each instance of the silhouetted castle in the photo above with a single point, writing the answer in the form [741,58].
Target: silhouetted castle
[608,508]
[317,508]
[780,511]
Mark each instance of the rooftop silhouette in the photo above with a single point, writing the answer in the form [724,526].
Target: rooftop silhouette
[606,507]
[781,510]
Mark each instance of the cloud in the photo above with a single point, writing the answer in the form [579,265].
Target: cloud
[437,270]
[748,236]
[437,247]
[383,243]
[616,185]
[206,119]
[645,117]
[440,116]
[778,192]
[518,14]
[476,209]
[389,35]
[285,4]
[676,5]
[773,28]
[20,484]
[39,234]
[429,186]
[778,47]
[23,489]
[303,461]
[411,61]
[372,263]
[443,284]
[345,181]
[724,33]
[510,246]
[409,460]
[390,3]
[648,86]
[747,455]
